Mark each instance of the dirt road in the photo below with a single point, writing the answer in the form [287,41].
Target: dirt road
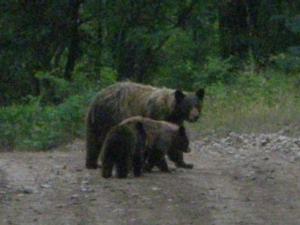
[232,184]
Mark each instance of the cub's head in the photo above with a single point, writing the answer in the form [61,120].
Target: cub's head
[187,106]
[180,141]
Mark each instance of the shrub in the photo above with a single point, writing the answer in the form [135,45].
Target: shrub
[35,127]
[216,70]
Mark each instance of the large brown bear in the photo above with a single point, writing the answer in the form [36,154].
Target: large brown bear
[126,99]
[138,143]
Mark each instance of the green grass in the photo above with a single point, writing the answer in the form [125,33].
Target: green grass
[36,127]
[253,104]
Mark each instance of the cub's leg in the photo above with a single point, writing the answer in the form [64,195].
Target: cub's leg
[149,161]
[137,164]
[122,165]
[156,158]
[107,168]
[163,165]
[177,158]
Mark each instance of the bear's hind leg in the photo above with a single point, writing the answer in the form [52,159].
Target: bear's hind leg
[93,148]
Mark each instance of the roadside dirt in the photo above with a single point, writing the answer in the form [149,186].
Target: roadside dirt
[233,183]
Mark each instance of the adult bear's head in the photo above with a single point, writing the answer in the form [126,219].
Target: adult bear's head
[187,106]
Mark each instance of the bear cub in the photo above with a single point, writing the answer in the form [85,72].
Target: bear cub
[140,143]
[124,148]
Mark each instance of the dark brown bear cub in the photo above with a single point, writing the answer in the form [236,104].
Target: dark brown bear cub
[124,148]
[126,99]
[140,142]
[156,150]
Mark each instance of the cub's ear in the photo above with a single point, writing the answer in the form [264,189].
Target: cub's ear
[200,94]
[179,96]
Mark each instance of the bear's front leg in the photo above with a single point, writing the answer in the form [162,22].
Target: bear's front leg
[184,165]
[181,164]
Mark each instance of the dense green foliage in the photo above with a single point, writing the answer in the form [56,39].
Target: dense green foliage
[55,54]
[32,126]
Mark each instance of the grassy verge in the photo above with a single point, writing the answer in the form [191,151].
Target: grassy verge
[34,127]
[253,104]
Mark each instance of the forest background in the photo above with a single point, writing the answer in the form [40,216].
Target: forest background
[55,55]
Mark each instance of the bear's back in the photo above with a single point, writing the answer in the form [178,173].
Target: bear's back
[159,133]
[127,99]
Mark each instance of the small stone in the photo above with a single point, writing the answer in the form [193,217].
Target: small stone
[60,206]
[45,186]
[83,189]
[20,195]
[86,189]
[85,182]
[236,156]
[265,141]
[118,210]
[133,219]
[155,188]
[27,190]
[75,196]
[297,158]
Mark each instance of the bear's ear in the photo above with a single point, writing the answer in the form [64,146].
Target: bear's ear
[200,94]
[179,96]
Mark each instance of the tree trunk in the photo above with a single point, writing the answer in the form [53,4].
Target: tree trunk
[74,39]
[234,29]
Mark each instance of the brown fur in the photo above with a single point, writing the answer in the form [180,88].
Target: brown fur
[124,148]
[126,99]
[138,139]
